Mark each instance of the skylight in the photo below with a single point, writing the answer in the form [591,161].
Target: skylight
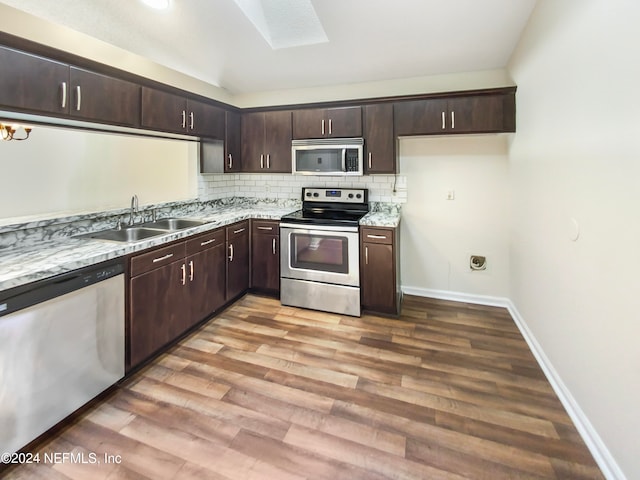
[285,23]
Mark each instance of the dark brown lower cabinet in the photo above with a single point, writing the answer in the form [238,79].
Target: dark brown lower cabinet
[379,270]
[237,259]
[265,256]
[171,289]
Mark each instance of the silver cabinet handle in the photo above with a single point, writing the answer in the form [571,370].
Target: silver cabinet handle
[191,271]
[191,120]
[443,121]
[208,242]
[273,246]
[322,127]
[376,236]
[184,119]
[330,126]
[184,274]
[366,255]
[64,95]
[230,161]
[369,159]
[159,259]
[265,228]
[238,231]
[453,119]
[268,160]
[78,97]
[261,161]
[231,252]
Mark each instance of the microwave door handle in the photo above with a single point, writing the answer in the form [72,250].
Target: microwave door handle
[344,159]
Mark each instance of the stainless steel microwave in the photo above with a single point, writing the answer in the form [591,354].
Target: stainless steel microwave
[327,156]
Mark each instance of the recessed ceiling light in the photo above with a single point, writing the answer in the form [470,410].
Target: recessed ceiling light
[159,4]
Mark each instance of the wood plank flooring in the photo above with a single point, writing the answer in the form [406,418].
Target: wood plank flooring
[447,391]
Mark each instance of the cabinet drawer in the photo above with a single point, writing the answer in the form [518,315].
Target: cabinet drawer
[157,258]
[237,230]
[207,240]
[262,227]
[377,235]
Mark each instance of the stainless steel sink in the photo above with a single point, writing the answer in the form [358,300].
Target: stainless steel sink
[126,235]
[173,223]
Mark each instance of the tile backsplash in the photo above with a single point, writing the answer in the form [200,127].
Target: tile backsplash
[215,186]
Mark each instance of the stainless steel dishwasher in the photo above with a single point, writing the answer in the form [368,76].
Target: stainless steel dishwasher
[61,344]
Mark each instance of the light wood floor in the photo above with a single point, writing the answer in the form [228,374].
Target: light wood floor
[262,391]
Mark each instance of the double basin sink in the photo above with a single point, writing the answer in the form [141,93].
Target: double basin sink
[146,230]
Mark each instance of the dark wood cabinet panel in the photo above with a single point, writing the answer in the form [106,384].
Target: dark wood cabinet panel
[323,123]
[163,111]
[205,120]
[379,139]
[266,142]
[277,144]
[156,308]
[265,256]
[379,270]
[237,259]
[32,83]
[451,115]
[232,143]
[206,281]
[100,98]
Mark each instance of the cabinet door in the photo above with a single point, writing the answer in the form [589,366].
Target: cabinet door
[232,145]
[105,99]
[237,259]
[206,280]
[156,310]
[277,147]
[379,140]
[33,83]
[205,120]
[309,123]
[378,273]
[476,114]
[420,117]
[344,122]
[265,256]
[252,133]
[163,111]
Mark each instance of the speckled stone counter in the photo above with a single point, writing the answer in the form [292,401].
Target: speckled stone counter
[39,249]
[27,262]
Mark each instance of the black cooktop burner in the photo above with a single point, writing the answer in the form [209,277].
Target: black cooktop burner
[326,217]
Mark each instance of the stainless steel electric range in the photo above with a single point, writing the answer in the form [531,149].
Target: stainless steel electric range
[320,258]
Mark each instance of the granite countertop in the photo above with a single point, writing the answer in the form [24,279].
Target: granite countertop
[24,264]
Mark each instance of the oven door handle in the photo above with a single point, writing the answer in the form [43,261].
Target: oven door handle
[302,227]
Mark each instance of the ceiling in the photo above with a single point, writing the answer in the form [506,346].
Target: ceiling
[368,40]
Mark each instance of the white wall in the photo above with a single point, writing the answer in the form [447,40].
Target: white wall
[439,235]
[59,171]
[576,155]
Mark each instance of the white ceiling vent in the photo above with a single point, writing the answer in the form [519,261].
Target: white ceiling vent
[285,23]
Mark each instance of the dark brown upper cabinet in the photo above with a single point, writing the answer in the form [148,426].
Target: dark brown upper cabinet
[464,114]
[266,142]
[232,143]
[39,85]
[379,139]
[167,112]
[327,122]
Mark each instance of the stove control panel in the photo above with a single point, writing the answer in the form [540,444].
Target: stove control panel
[338,195]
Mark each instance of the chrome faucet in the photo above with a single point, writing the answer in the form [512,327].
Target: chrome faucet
[134,209]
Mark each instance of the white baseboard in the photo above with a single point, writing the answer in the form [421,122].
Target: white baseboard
[596,446]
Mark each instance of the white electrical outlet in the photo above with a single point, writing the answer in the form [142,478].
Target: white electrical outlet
[451,195]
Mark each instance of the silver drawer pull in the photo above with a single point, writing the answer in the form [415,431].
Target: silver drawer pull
[202,244]
[159,259]
[377,236]
[265,228]
[238,231]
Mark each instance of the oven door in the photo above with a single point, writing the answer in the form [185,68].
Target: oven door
[320,253]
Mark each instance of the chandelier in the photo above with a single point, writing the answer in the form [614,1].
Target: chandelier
[14,132]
